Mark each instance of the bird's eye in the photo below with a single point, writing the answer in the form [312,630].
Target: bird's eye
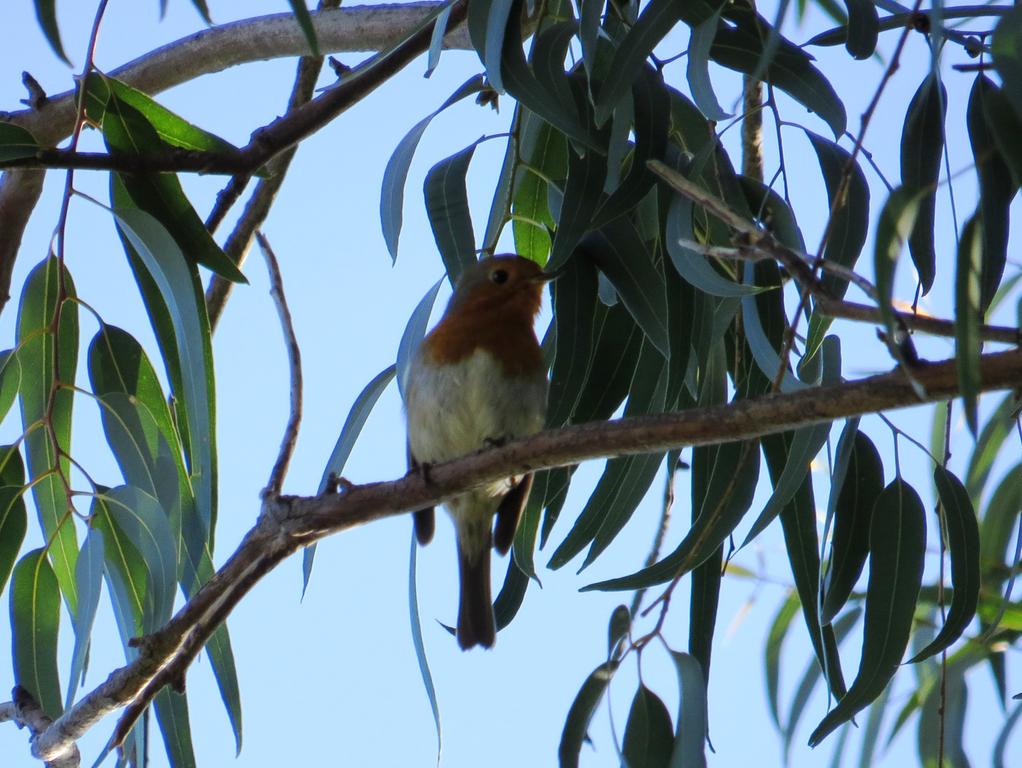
[499,276]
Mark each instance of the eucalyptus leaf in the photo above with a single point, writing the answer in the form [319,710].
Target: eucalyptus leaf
[35,621]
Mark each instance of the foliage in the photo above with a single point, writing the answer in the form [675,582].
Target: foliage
[657,311]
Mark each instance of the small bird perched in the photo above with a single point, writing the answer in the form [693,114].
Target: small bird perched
[478,379]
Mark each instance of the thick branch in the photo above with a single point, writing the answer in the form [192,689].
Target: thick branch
[289,523]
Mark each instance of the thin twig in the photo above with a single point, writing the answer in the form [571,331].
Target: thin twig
[294,357]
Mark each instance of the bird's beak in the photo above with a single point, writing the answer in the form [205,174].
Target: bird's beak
[546,277]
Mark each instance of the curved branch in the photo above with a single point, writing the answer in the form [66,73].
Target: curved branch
[288,523]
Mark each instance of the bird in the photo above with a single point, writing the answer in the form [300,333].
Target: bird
[478,379]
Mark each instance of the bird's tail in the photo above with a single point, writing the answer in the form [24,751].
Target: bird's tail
[476,625]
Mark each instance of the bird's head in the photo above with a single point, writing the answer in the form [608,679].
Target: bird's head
[505,285]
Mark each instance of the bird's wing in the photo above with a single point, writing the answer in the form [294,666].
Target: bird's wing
[508,514]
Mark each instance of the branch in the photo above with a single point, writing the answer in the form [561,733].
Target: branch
[358,28]
[288,523]
[25,712]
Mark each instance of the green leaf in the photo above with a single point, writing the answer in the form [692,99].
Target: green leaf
[942,722]
[653,24]
[544,160]
[172,129]
[46,13]
[922,146]
[897,545]
[35,621]
[436,42]
[772,653]
[764,353]
[166,268]
[304,20]
[617,629]
[698,69]
[626,478]
[740,47]
[618,341]
[996,190]
[420,648]
[512,592]
[963,545]
[448,212]
[649,735]
[998,522]
[392,192]
[16,143]
[1004,124]
[581,713]
[863,28]
[10,380]
[582,193]
[863,483]
[1006,47]
[897,218]
[968,346]
[848,229]
[589,15]
[46,360]
[145,525]
[172,716]
[690,736]
[487,27]
[13,524]
[731,471]
[619,252]
[574,308]
[89,575]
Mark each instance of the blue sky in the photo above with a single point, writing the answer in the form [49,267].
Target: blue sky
[334,678]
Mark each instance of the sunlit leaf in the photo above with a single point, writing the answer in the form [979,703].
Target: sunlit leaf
[35,620]
[46,360]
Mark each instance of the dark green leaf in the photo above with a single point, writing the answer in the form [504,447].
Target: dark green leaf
[942,723]
[420,648]
[512,594]
[653,24]
[856,496]
[1005,125]
[690,735]
[581,713]
[172,129]
[48,359]
[922,146]
[897,545]
[589,30]
[731,471]
[10,380]
[16,143]
[772,652]
[528,529]
[487,26]
[863,28]
[963,545]
[46,13]
[968,346]
[996,189]
[582,193]
[848,228]
[649,735]
[897,218]
[301,13]
[35,621]
[89,576]
[392,192]
[574,300]
[617,629]
[447,208]
[740,47]
[13,524]
[988,447]
[615,354]
[620,254]
[166,268]
[1006,48]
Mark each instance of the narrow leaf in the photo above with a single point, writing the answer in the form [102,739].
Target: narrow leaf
[581,713]
[16,143]
[690,736]
[35,620]
[698,69]
[772,653]
[304,20]
[46,13]
[968,346]
[447,208]
[897,218]
[420,648]
[89,575]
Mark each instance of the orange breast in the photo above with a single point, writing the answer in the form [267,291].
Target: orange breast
[507,336]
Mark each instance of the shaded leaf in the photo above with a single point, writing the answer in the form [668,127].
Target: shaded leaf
[46,13]
[581,713]
[963,546]
[897,544]
[487,25]
[772,653]
[35,621]
[16,143]
[1004,124]
[574,306]
[942,723]
[392,191]
[1006,47]
[698,69]
[988,446]
[13,524]
[582,192]
[413,334]
[897,218]
[649,736]
[448,212]
[968,346]
[172,715]
[511,595]
[47,359]
[420,648]
[617,629]
[436,42]
[856,496]
[863,28]
[922,146]
[304,20]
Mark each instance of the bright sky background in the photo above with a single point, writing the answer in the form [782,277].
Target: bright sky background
[333,679]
